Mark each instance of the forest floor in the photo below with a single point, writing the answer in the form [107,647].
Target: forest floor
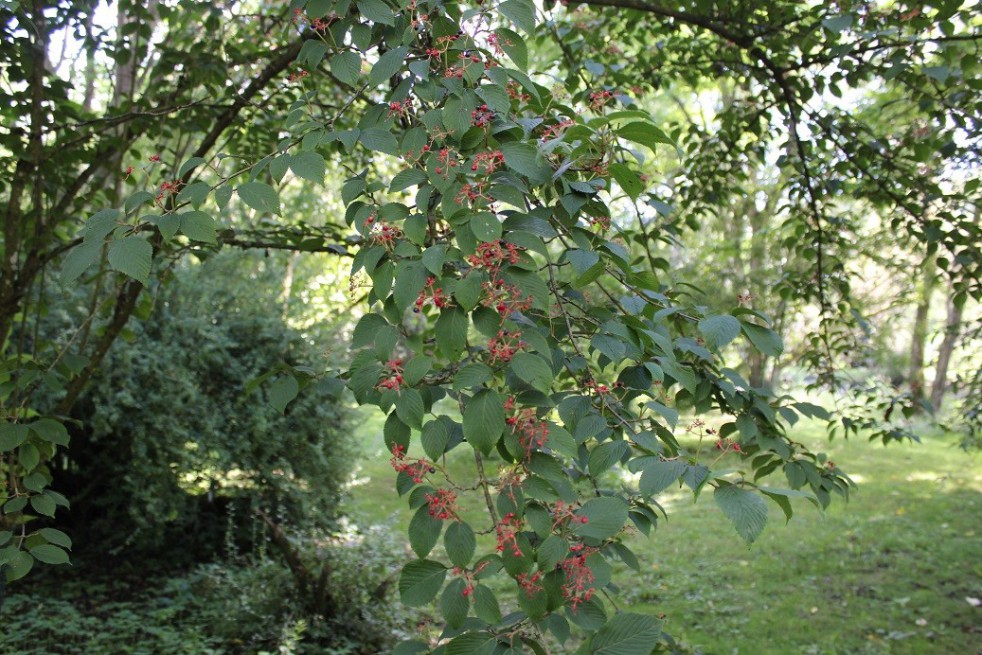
[895,570]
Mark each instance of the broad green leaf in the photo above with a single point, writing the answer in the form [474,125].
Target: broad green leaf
[658,476]
[472,375]
[746,509]
[387,65]
[718,331]
[424,531]
[43,505]
[80,258]
[409,407]
[420,581]
[260,196]
[644,133]
[346,66]
[460,543]
[311,53]
[284,389]
[519,12]
[56,537]
[605,517]
[484,420]
[377,139]
[627,179]
[49,554]
[627,634]
[376,11]
[132,256]
[12,435]
[434,438]
[454,604]
[19,565]
[406,178]
[606,455]
[514,46]
[765,340]
[199,226]
[451,331]
[309,166]
[533,370]
[523,159]
[486,226]
[486,605]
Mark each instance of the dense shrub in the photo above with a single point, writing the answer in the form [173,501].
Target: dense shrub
[172,447]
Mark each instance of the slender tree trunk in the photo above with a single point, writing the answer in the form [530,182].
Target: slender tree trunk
[918,342]
[951,329]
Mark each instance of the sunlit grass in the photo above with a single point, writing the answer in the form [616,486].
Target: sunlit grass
[888,572]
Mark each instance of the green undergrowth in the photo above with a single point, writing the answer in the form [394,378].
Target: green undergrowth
[893,571]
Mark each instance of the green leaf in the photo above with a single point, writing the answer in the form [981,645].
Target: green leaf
[766,341]
[18,566]
[387,65]
[472,375]
[346,66]
[406,178]
[434,438]
[534,370]
[606,455]
[410,280]
[260,196]
[132,256]
[312,53]
[519,12]
[12,435]
[309,166]
[451,331]
[409,408]
[486,605]
[746,509]
[627,180]
[484,420]
[644,133]
[28,456]
[514,46]
[79,259]
[468,291]
[474,643]
[720,330]
[523,159]
[658,476]
[56,537]
[376,11]
[486,226]
[49,554]
[282,391]
[454,604]
[424,531]
[199,226]
[379,140]
[627,634]
[366,329]
[434,258]
[420,582]
[460,543]
[43,505]
[605,517]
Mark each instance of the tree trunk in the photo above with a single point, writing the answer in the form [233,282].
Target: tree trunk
[918,341]
[951,329]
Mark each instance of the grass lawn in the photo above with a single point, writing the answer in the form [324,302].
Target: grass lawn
[891,571]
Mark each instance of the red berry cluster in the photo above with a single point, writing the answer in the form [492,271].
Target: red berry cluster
[602,223]
[578,587]
[442,504]
[488,161]
[482,116]
[166,190]
[553,131]
[415,469]
[503,346]
[494,255]
[397,108]
[600,98]
[382,233]
[530,583]
[447,159]
[727,444]
[393,379]
[505,298]
[564,514]
[507,531]
[532,432]
[431,293]
[473,193]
